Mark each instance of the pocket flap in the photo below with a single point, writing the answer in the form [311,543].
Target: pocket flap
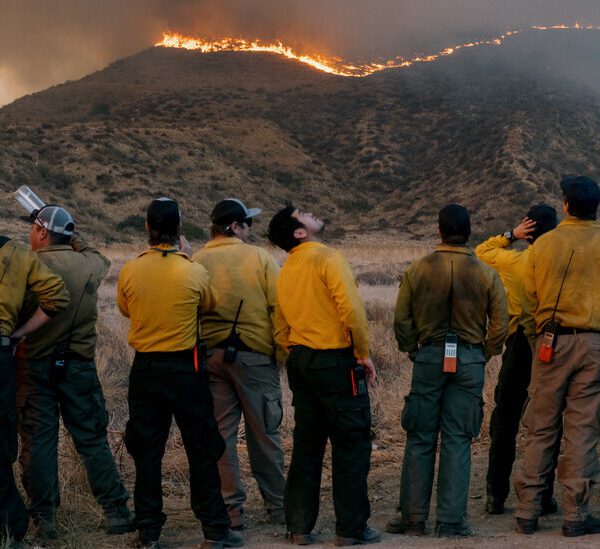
[256,360]
[358,403]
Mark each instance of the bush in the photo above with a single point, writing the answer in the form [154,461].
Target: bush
[133,222]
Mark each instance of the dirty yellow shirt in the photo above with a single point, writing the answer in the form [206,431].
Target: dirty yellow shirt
[240,271]
[478,313]
[579,304]
[160,294]
[510,265]
[318,304]
[21,270]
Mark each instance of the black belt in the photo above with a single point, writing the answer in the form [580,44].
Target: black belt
[565,330]
[461,343]
[5,341]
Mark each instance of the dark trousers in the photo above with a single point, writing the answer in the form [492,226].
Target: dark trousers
[77,397]
[325,408]
[163,385]
[510,397]
[13,515]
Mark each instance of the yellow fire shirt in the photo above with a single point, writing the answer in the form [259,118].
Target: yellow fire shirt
[161,293]
[318,304]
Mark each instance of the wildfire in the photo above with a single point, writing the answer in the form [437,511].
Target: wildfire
[334,65]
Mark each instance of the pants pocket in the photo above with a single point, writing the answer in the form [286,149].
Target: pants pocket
[412,411]
[273,412]
[475,418]
[353,418]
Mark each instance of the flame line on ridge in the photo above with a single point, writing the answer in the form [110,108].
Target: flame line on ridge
[333,65]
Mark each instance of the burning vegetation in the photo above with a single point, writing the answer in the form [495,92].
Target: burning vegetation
[335,65]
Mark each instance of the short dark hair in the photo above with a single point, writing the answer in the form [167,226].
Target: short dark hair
[581,195]
[455,224]
[282,227]
[545,220]
[163,221]
[56,239]
[217,229]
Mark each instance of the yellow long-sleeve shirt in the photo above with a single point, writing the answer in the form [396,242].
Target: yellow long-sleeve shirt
[240,271]
[318,304]
[579,303]
[510,265]
[161,293]
[21,270]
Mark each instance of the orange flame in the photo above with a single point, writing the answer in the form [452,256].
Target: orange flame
[334,65]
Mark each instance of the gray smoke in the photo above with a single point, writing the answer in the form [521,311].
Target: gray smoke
[45,43]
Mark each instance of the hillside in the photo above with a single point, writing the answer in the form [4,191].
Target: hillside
[493,128]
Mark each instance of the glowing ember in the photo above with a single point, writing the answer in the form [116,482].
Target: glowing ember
[333,65]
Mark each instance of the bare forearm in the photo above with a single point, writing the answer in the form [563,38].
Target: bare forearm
[37,320]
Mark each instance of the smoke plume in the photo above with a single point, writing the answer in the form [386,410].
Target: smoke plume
[45,43]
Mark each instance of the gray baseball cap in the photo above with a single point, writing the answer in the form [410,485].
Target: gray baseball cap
[54,219]
[232,209]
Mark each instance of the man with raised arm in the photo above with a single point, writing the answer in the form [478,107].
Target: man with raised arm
[511,391]
[57,378]
[321,320]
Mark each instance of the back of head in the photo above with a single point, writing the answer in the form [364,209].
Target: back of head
[164,221]
[282,227]
[228,211]
[581,195]
[545,219]
[455,224]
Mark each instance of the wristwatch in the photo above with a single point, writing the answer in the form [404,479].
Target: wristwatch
[509,235]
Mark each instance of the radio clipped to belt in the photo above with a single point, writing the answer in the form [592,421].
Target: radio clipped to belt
[451,342]
[546,352]
[358,376]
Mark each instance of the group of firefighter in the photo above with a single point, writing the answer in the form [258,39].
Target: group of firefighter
[211,331]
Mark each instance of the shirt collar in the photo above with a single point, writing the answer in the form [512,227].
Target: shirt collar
[578,222]
[306,246]
[224,241]
[455,248]
[55,248]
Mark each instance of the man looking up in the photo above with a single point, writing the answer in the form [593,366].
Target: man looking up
[451,318]
[321,320]
[515,374]
[561,318]
[21,271]
[242,370]
[48,389]
[161,292]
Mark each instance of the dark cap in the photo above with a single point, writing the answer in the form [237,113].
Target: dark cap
[230,210]
[454,220]
[582,195]
[545,220]
[163,215]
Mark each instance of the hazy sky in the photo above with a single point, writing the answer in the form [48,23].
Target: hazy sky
[45,42]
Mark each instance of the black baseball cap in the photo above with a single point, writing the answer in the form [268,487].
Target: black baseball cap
[163,215]
[230,210]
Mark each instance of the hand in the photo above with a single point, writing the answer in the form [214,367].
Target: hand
[184,246]
[369,367]
[524,229]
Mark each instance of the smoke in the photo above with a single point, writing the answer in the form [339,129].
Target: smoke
[45,43]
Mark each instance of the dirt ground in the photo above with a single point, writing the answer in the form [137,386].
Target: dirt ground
[183,531]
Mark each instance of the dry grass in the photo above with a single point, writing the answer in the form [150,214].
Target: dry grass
[80,519]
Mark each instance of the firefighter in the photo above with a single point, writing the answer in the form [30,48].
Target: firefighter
[160,292]
[242,368]
[451,318]
[56,378]
[515,373]
[21,271]
[321,320]
[561,317]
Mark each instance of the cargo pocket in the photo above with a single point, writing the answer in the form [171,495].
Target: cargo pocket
[475,417]
[527,414]
[410,413]
[273,412]
[354,419]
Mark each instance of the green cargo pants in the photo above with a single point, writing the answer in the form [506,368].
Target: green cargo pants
[79,400]
[450,404]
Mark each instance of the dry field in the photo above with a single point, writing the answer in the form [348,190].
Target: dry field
[378,266]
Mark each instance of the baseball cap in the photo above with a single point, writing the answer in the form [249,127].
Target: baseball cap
[163,215]
[54,219]
[454,220]
[582,195]
[230,210]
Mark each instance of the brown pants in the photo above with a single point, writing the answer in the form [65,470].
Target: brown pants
[250,386]
[567,391]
